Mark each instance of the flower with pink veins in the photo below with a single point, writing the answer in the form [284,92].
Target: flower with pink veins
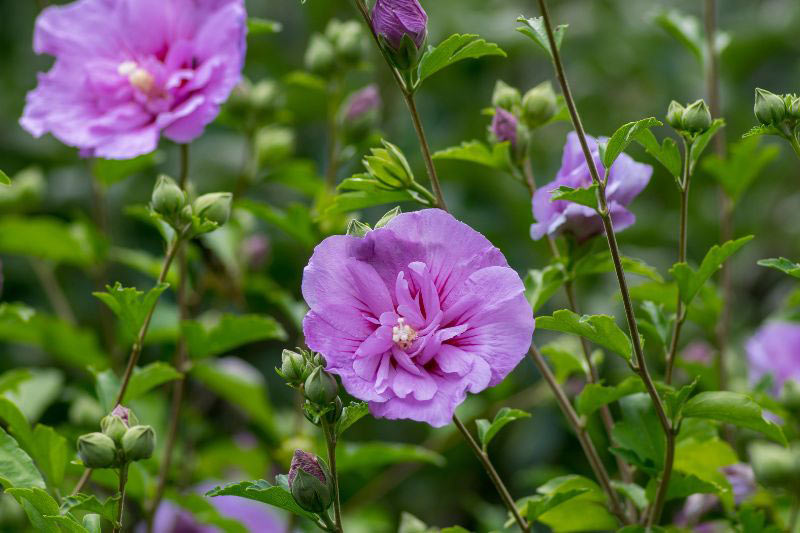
[127,71]
[416,314]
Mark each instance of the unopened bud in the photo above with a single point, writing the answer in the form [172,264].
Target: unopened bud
[138,443]
[770,109]
[321,387]
[504,126]
[794,108]
[320,56]
[675,115]
[215,206]
[273,145]
[168,198]
[539,105]
[697,117]
[310,482]
[506,96]
[117,423]
[293,367]
[348,40]
[97,450]
[335,414]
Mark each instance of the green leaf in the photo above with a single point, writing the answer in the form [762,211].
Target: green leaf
[640,433]
[600,329]
[681,486]
[691,281]
[453,49]
[784,265]
[367,456]
[633,492]
[704,310]
[262,491]
[565,357]
[655,321]
[541,285]
[601,262]
[130,305]
[37,504]
[93,523]
[535,29]
[701,141]
[241,385]
[4,179]
[583,196]
[111,171]
[704,460]
[744,164]
[49,451]
[666,153]
[487,430]
[295,220]
[536,506]
[68,523]
[732,408]
[260,26]
[108,509]
[35,395]
[757,131]
[347,202]
[581,512]
[686,29]
[16,423]
[46,238]
[594,396]
[107,387]
[498,156]
[16,466]
[350,415]
[411,524]
[623,137]
[204,512]
[149,377]
[227,332]
[11,379]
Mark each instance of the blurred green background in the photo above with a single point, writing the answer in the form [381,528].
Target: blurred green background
[622,67]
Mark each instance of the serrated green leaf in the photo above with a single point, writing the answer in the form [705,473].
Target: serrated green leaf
[367,456]
[541,285]
[681,486]
[16,467]
[37,504]
[600,329]
[666,153]
[732,408]
[690,281]
[16,423]
[535,29]
[594,395]
[583,196]
[130,305]
[704,460]
[488,430]
[565,357]
[498,156]
[623,137]
[149,377]
[453,49]
[536,506]
[701,142]
[759,130]
[784,265]
[640,433]
[686,29]
[49,451]
[743,165]
[108,509]
[260,26]
[582,512]
[227,332]
[350,415]
[262,491]
[68,523]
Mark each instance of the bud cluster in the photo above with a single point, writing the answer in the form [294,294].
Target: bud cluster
[122,440]
[690,120]
[342,45]
[305,370]
[515,115]
[253,104]
[206,213]
[782,112]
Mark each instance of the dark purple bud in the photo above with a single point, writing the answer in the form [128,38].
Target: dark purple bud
[363,102]
[125,414]
[310,482]
[504,126]
[308,463]
[392,19]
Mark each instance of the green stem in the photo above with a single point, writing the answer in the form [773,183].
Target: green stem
[332,164]
[45,273]
[795,143]
[123,480]
[330,442]
[327,524]
[641,364]
[483,457]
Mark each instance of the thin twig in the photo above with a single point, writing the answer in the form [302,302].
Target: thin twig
[45,273]
[641,364]
[123,480]
[483,457]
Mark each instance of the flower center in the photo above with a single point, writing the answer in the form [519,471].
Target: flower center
[137,76]
[403,334]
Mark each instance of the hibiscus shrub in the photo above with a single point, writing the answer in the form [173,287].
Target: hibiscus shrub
[282,303]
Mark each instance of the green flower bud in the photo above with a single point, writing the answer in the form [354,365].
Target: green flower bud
[215,206]
[335,414]
[168,198]
[348,40]
[697,117]
[310,482]
[293,367]
[321,388]
[794,108]
[404,57]
[675,115]
[117,423]
[770,109]
[775,465]
[320,56]
[506,96]
[138,443]
[539,105]
[273,145]
[265,96]
[97,450]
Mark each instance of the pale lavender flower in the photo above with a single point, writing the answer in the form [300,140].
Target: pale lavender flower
[698,352]
[504,126]
[416,314]
[362,102]
[392,19]
[127,71]
[743,480]
[626,180]
[774,350]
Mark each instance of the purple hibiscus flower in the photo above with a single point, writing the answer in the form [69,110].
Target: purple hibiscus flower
[128,70]
[774,351]
[504,126]
[362,102]
[416,314]
[626,180]
[392,19]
